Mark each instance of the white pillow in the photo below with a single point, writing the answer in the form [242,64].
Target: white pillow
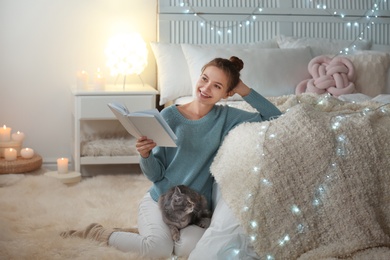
[371,69]
[271,72]
[320,46]
[173,75]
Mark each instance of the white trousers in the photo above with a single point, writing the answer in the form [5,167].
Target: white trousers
[154,239]
[224,239]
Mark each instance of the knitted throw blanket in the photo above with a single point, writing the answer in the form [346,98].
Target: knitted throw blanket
[314,183]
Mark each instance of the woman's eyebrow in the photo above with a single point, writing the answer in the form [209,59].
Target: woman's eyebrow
[218,83]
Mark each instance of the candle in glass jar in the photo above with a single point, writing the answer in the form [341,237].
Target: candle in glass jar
[27,153]
[18,136]
[62,165]
[100,81]
[82,79]
[10,154]
[5,133]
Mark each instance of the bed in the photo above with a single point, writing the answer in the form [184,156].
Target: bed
[314,183]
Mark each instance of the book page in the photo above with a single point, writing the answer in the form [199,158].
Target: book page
[161,120]
[120,113]
[145,123]
[149,126]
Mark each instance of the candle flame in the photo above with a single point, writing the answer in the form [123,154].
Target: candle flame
[4,126]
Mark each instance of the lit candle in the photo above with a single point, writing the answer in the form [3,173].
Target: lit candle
[18,136]
[10,154]
[82,79]
[100,81]
[5,133]
[62,165]
[27,153]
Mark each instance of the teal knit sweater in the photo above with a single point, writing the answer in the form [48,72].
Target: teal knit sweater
[197,144]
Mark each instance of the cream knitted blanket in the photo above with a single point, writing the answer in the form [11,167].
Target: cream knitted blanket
[314,183]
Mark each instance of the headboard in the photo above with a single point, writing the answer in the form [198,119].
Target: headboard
[226,27]
[243,21]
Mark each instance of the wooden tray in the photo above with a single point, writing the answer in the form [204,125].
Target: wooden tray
[20,165]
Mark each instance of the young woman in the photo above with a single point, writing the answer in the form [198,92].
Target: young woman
[200,127]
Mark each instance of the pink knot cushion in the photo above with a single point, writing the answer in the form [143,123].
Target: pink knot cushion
[329,75]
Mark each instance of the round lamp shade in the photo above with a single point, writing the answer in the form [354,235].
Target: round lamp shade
[126,54]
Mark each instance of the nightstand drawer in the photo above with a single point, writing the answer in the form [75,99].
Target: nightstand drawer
[95,107]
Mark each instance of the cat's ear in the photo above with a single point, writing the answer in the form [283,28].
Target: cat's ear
[177,190]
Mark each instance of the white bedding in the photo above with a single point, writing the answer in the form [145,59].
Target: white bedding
[354,98]
[359,97]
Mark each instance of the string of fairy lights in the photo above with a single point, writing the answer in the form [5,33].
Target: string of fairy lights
[338,126]
[363,23]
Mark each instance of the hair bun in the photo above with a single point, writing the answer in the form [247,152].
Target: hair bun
[237,62]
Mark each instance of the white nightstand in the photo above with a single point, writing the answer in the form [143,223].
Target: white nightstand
[90,112]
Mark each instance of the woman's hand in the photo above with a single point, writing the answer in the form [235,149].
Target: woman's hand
[144,146]
[241,89]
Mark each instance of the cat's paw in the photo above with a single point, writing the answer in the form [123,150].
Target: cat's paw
[204,222]
[175,234]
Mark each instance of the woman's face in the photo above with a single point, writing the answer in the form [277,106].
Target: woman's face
[211,86]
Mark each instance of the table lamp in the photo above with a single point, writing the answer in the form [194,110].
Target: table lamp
[126,54]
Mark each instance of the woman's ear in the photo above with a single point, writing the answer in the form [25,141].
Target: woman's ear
[229,94]
[226,95]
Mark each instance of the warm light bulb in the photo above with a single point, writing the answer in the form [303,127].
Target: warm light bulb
[126,54]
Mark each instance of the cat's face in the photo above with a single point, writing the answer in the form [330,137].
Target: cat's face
[181,202]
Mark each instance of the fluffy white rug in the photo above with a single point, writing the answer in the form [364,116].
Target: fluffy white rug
[34,209]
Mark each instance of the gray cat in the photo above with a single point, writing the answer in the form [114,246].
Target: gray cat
[182,206]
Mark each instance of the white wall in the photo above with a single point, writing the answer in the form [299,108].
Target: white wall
[43,43]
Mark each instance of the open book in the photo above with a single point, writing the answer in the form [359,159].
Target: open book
[145,123]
